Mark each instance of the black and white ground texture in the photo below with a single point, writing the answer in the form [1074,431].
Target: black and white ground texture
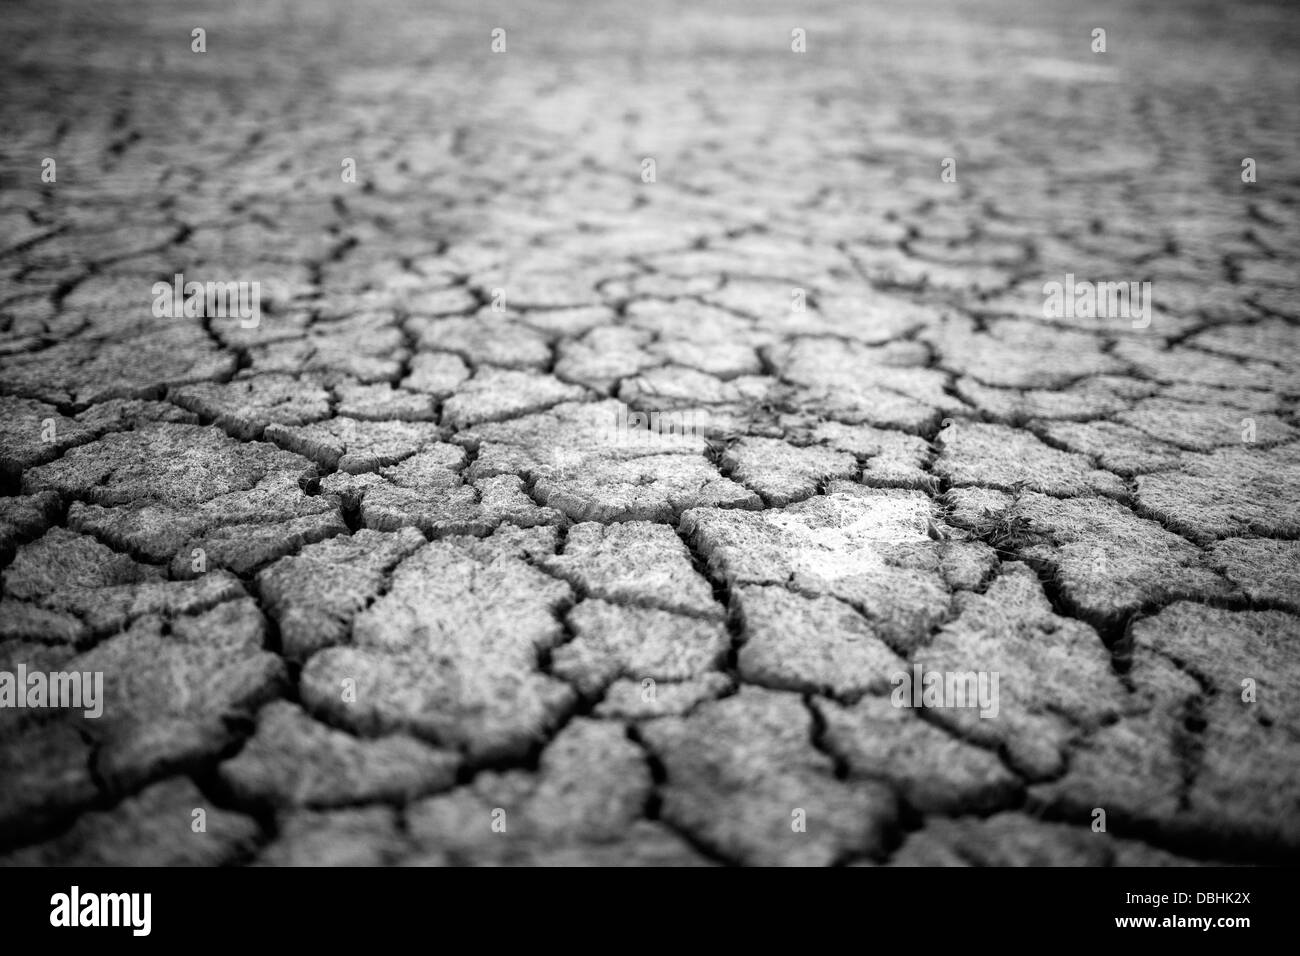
[400,566]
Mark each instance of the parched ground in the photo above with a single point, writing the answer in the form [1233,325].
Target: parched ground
[376,580]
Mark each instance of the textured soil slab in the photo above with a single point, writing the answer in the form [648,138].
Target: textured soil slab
[33,432]
[178,464]
[932,770]
[1197,742]
[580,807]
[361,837]
[157,827]
[47,774]
[23,517]
[783,473]
[1268,571]
[636,563]
[1011,839]
[381,402]
[1107,561]
[1055,677]
[170,698]
[353,445]
[763,798]
[1008,459]
[890,459]
[79,373]
[91,591]
[245,406]
[795,642]
[634,700]
[869,548]
[315,594]
[497,394]
[294,761]
[886,386]
[275,515]
[638,644]
[1227,493]
[450,652]
[1017,355]
[586,465]
[1119,448]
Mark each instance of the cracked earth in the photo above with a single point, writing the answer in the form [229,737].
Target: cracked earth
[372,576]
